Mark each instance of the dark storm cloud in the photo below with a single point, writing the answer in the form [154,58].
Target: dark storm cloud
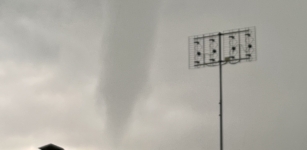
[34,29]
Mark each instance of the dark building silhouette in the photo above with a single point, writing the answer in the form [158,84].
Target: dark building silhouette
[51,147]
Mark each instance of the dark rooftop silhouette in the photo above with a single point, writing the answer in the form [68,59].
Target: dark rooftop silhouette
[51,147]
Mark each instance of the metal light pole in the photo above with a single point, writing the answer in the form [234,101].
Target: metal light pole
[238,45]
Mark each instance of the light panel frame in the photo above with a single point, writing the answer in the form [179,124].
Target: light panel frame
[238,45]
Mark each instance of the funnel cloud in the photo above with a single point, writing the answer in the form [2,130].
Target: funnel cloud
[129,36]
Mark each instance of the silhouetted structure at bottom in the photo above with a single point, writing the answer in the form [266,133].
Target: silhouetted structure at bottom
[51,147]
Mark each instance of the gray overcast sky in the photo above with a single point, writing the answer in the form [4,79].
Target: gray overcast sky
[113,75]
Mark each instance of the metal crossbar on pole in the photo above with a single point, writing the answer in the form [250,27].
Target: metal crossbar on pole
[238,45]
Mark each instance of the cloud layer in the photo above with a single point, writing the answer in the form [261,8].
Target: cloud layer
[54,62]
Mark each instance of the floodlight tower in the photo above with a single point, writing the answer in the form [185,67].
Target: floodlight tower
[238,45]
